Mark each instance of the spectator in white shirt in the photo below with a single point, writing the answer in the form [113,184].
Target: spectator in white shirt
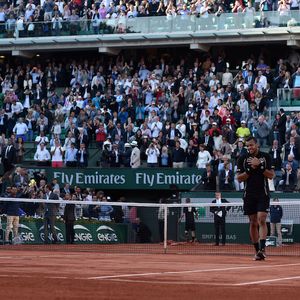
[57,152]
[156,127]
[20,130]
[152,153]
[42,155]
[261,81]
[204,157]
[16,109]
[41,139]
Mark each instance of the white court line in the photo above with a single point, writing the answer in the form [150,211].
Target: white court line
[171,282]
[191,271]
[266,281]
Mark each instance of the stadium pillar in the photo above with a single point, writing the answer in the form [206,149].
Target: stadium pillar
[293,43]
[107,50]
[27,54]
[200,47]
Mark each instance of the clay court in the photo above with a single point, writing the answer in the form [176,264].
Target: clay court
[76,272]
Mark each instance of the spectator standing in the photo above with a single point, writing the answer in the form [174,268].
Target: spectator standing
[82,156]
[42,155]
[57,152]
[178,156]
[262,131]
[281,126]
[204,157]
[20,129]
[152,153]
[135,158]
[209,178]
[8,156]
[71,156]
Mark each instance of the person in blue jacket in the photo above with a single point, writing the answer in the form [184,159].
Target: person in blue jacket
[12,210]
[275,221]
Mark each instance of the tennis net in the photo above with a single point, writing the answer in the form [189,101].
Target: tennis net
[188,228]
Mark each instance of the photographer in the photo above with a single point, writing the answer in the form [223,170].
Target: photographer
[152,153]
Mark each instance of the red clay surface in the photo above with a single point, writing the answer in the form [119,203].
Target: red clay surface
[58,272]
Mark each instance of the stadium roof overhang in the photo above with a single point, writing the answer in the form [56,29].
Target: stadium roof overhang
[113,43]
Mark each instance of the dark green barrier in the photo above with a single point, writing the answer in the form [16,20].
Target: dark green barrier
[86,232]
[124,178]
[238,233]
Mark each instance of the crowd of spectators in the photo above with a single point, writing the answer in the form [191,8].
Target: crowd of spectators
[49,17]
[164,114]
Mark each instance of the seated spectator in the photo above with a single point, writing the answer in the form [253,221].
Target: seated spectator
[290,148]
[288,180]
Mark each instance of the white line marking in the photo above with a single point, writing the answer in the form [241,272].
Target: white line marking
[57,277]
[266,281]
[191,271]
[170,282]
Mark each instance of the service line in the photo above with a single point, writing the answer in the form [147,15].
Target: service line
[192,271]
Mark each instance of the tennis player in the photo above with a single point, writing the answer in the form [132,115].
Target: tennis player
[254,169]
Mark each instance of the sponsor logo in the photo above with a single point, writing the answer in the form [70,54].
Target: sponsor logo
[106,234]
[60,236]
[271,241]
[82,234]
[26,233]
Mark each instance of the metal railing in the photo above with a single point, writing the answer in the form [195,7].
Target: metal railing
[288,98]
[148,25]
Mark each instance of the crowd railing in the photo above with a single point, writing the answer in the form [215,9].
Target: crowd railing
[288,98]
[148,25]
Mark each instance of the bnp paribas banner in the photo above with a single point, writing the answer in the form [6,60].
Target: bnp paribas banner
[32,232]
[125,178]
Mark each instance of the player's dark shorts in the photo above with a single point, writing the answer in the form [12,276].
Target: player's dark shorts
[256,203]
[190,226]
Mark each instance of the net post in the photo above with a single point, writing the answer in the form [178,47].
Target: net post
[165,227]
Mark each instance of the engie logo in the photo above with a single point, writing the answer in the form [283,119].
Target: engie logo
[82,234]
[106,234]
[26,233]
[60,236]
